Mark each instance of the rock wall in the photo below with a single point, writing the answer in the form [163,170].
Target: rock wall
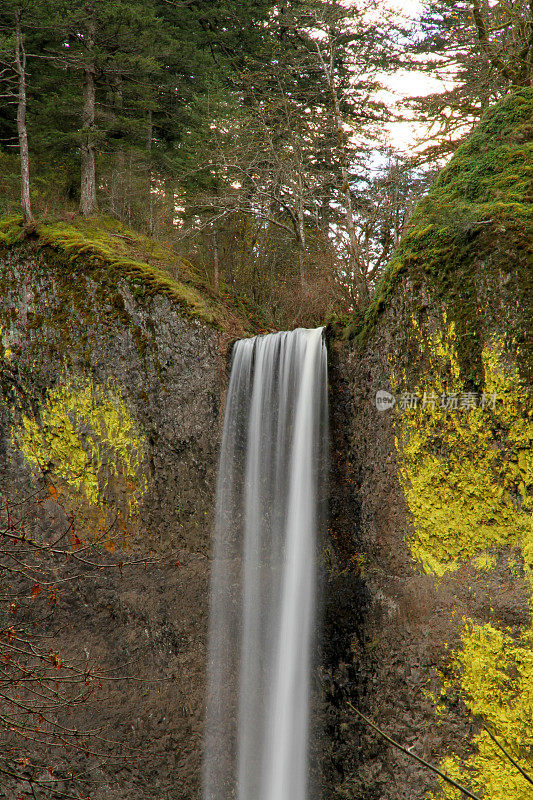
[431,540]
[115,397]
[109,423]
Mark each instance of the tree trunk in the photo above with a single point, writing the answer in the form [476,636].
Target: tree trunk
[329,73]
[88,166]
[301,231]
[360,279]
[216,261]
[20,64]
[119,172]
[149,142]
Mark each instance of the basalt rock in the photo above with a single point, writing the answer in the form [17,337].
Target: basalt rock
[112,379]
[431,524]
[111,390]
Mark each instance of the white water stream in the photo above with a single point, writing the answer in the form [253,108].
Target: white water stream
[263,581]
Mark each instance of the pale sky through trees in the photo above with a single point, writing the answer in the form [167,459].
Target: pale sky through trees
[406,134]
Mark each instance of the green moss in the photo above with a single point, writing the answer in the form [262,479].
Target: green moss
[495,675]
[482,199]
[94,246]
[11,230]
[467,475]
[103,245]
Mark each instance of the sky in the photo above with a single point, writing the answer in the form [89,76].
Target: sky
[404,135]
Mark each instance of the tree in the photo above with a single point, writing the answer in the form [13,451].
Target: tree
[108,42]
[289,150]
[13,72]
[210,120]
[382,209]
[480,50]
[140,68]
[504,33]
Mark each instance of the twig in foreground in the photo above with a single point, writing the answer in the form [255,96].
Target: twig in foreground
[406,750]
[511,759]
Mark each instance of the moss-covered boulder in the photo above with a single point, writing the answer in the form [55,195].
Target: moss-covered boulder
[432,513]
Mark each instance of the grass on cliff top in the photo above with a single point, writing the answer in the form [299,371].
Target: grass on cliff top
[148,266]
[486,189]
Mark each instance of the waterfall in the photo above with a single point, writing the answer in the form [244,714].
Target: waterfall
[263,579]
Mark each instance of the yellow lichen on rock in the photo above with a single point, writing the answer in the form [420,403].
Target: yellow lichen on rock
[6,347]
[465,469]
[85,436]
[496,677]
[466,472]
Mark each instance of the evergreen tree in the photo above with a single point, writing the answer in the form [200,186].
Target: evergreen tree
[480,50]
[109,45]
[238,127]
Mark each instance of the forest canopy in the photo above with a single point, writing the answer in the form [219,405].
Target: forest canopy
[256,138]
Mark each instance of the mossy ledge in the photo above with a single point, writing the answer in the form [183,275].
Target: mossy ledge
[103,243]
[480,202]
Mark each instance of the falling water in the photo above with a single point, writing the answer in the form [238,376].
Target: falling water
[271,477]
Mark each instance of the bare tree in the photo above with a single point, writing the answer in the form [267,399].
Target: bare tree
[505,35]
[295,151]
[326,54]
[480,50]
[42,752]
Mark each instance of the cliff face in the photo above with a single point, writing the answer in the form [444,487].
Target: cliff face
[431,527]
[111,386]
[111,390]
